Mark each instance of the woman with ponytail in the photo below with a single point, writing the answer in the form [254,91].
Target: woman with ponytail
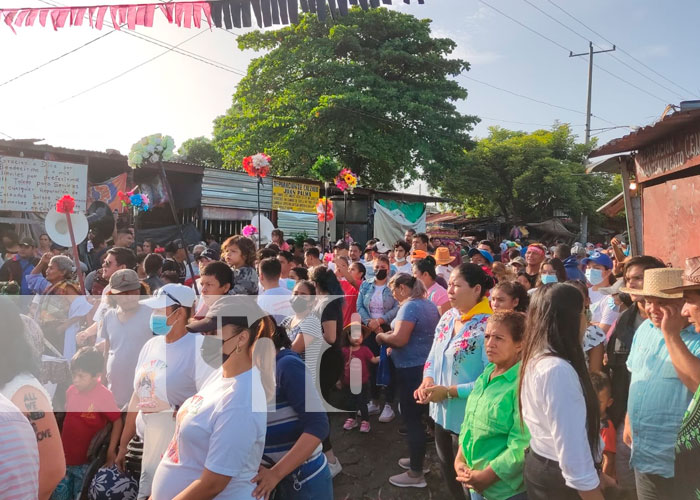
[557,400]
[410,340]
[220,431]
[456,360]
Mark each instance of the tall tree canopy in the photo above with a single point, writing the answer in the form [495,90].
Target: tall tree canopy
[372,90]
[528,176]
[200,150]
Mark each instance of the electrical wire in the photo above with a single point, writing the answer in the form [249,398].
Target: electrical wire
[488,118]
[599,47]
[536,100]
[622,50]
[129,70]
[567,49]
[8,136]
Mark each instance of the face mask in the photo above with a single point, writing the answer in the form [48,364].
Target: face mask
[211,351]
[299,303]
[612,305]
[381,274]
[159,324]
[400,261]
[548,278]
[594,276]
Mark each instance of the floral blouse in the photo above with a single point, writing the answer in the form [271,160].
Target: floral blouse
[457,360]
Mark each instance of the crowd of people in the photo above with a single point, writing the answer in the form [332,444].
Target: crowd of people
[212,371]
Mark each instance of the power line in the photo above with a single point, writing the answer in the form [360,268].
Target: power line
[630,84]
[55,59]
[8,136]
[536,100]
[611,55]
[129,70]
[563,47]
[622,50]
[524,26]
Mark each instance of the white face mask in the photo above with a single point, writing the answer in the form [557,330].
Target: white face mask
[594,276]
[401,261]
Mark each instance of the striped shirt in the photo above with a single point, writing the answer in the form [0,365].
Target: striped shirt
[19,454]
[292,416]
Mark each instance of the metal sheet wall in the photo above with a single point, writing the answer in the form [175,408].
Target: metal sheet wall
[297,222]
[225,188]
[671,219]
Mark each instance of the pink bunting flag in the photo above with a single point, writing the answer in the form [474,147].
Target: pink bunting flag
[100,17]
[168,11]
[187,17]
[42,16]
[21,16]
[148,18]
[113,10]
[9,16]
[76,16]
[131,12]
[179,8]
[31,17]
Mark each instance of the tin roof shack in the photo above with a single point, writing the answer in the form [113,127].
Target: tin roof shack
[662,172]
[105,171]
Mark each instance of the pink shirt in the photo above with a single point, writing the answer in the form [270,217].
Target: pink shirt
[437,294]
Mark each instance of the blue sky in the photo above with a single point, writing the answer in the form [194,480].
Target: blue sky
[180,96]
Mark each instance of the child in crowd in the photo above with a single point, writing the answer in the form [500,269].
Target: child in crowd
[354,334]
[90,406]
[601,384]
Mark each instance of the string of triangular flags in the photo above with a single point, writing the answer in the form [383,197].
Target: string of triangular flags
[221,13]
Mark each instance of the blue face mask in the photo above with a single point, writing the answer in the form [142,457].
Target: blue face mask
[611,304]
[159,324]
[594,276]
[548,278]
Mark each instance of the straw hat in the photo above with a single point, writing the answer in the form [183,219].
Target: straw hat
[657,282]
[691,276]
[442,256]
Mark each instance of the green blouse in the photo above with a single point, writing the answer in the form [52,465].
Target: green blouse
[492,434]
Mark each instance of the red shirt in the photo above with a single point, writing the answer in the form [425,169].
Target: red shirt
[364,355]
[607,432]
[86,414]
[350,302]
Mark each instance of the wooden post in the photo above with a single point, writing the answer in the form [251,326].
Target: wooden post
[76,256]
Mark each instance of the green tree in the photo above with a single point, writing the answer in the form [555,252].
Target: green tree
[374,91]
[528,176]
[200,150]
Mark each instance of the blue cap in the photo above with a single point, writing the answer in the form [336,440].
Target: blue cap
[599,258]
[484,253]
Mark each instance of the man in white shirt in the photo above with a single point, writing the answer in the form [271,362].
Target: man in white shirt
[273,299]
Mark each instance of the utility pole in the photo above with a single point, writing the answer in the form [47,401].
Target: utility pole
[590,53]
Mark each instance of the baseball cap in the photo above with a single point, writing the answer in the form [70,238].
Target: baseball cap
[598,258]
[209,253]
[27,242]
[519,261]
[170,295]
[484,253]
[232,309]
[124,280]
[381,247]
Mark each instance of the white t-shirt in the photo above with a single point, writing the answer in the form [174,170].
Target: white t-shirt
[217,429]
[602,309]
[444,271]
[554,411]
[275,302]
[125,343]
[404,268]
[376,303]
[168,373]
[19,473]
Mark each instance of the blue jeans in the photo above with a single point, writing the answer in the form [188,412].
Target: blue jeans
[519,496]
[309,482]
[408,381]
[70,486]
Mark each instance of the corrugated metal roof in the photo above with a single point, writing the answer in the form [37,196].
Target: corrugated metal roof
[226,188]
[611,165]
[296,222]
[613,206]
[649,134]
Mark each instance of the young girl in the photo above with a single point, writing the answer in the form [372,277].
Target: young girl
[354,334]
[239,253]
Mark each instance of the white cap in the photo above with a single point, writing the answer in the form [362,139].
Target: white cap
[169,295]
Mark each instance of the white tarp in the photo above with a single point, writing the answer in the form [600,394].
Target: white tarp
[390,225]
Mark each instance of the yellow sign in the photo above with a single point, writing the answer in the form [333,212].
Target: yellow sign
[294,196]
